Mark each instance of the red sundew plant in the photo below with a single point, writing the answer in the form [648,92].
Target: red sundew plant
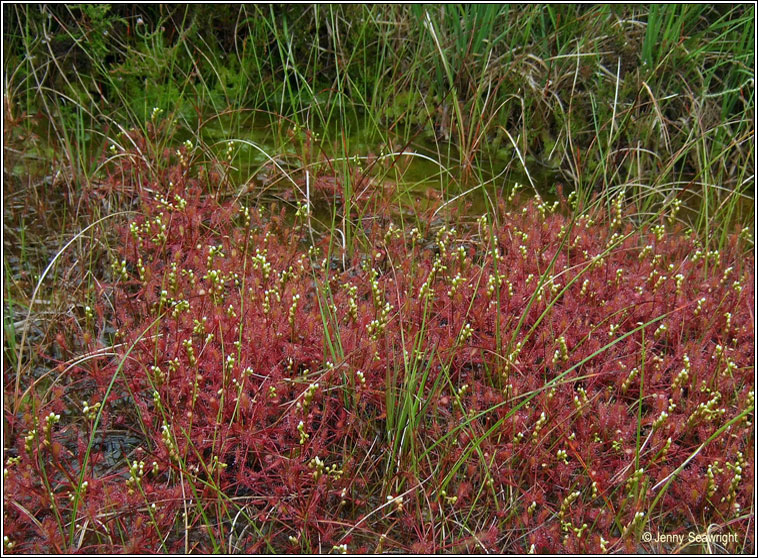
[531,383]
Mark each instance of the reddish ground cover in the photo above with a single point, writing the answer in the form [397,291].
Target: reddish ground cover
[527,384]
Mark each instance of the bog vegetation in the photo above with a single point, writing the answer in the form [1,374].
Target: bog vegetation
[378,279]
